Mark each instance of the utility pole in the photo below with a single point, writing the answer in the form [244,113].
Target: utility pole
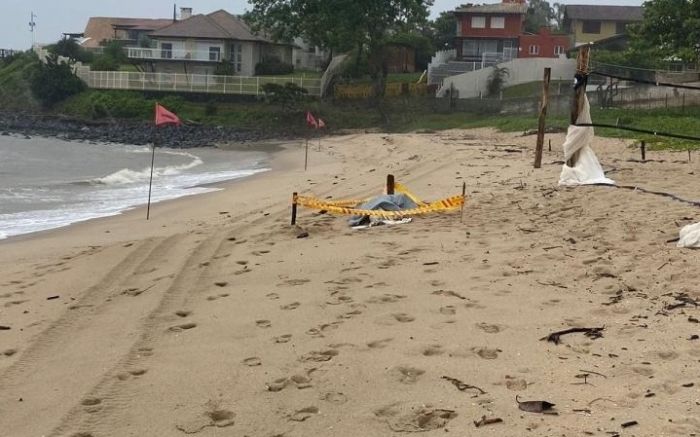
[32,25]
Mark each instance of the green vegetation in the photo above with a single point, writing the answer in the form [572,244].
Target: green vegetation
[15,93]
[54,81]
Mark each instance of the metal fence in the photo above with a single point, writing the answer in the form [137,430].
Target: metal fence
[195,83]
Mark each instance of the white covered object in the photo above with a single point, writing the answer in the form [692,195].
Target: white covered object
[690,236]
[587,170]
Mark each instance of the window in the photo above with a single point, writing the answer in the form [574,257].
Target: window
[237,57]
[620,28]
[473,48]
[558,50]
[534,50]
[166,50]
[478,22]
[498,22]
[215,54]
[591,26]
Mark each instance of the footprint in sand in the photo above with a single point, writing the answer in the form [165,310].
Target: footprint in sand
[138,372]
[290,306]
[386,298]
[182,327]
[221,283]
[379,344]
[272,296]
[350,314]
[515,384]
[334,397]
[414,418]
[9,352]
[489,328]
[282,338]
[486,353]
[448,310]
[263,323]
[319,356]
[295,282]
[432,350]
[318,331]
[214,416]
[145,351]
[252,361]
[403,317]
[183,313]
[303,414]
[339,300]
[406,375]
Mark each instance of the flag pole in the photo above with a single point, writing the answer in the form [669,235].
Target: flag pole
[150,181]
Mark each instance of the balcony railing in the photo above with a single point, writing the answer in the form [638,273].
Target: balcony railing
[175,55]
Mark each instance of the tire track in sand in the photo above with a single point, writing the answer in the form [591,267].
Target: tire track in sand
[112,394]
[72,354]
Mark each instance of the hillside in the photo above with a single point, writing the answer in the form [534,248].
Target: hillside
[14,84]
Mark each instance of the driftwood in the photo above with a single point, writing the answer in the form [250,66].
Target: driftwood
[592,333]
[484,421]
[462,386]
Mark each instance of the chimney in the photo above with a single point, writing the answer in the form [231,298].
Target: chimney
[185,13]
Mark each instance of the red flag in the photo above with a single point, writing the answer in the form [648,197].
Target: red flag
[163,117]
[321,124]
[310,120]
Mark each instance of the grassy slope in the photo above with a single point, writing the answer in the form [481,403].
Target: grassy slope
[14,85]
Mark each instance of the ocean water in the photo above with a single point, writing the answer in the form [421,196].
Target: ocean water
[49,183]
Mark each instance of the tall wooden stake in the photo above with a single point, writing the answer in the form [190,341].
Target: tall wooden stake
[543,116]
[464,194]
[294,208]
[582,64]
[644,150]
[150,181]
[306,154]
[390,184]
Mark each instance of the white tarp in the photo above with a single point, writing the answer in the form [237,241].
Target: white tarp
[587,170]
[690,236]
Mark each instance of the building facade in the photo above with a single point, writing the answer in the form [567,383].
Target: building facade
[543,44]
[591,23]
[201,43]
[489,31]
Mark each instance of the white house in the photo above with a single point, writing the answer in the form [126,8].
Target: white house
[198,43]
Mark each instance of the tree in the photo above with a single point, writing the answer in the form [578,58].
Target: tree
[539,14]
[54,81]
[497,81]
[444,29]
[558,10]
[341,25]
[672,26]
[69,48]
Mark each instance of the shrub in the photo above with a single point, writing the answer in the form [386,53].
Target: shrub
[497,80]
[104,63]
[54,81]
[70,49]
[288,95]
[273,66]
[224,69]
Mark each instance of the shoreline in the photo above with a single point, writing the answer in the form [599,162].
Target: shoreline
[274,163]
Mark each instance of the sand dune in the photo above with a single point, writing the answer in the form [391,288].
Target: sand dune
[214,319]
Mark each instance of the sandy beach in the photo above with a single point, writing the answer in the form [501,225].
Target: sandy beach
[214,319]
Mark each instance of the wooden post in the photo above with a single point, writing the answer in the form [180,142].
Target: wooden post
[550,144]
[150,180]
[543,116]
[582,63]
[464,195]
[294,208]
[643,146]
[390,184]
[306,154]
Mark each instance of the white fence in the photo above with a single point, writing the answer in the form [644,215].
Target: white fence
[175,55]
[196,83]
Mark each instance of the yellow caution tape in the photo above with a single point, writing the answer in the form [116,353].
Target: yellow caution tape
[447,204]
[401,188]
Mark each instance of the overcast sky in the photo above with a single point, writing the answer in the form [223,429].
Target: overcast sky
[57,16]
